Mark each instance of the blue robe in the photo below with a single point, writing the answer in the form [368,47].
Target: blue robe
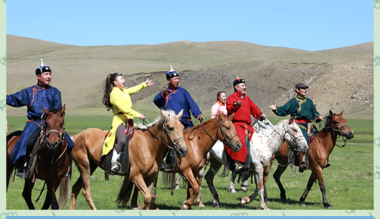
[34,98]
[177,100]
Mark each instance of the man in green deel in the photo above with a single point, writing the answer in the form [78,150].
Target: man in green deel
[304,111]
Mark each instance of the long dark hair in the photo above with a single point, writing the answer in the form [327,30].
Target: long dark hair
[108,89]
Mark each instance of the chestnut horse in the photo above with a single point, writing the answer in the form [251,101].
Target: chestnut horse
[199,140]
[145,156]
[319,151]
[52,160]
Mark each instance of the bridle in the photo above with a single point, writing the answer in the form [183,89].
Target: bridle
[340,133]
[45,136]
[174,144]
[294,139]
[224,134]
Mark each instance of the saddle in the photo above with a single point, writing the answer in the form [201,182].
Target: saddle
[292,153]
[229,162]
[124,154]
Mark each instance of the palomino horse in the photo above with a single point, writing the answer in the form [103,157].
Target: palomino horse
[145,154]
[52,160]
[262,147]
[200,143]
[319,152]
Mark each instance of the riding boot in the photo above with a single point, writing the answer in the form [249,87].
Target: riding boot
[21,172]
[239,167]
[115,161]
[302,163]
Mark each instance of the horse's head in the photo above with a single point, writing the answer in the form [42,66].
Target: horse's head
[227,132]
[339,124]
[174,130]
[294,137]
[54,127]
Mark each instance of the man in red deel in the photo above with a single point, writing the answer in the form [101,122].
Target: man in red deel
[243,107]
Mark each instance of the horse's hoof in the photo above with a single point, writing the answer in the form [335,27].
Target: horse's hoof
[185,207]
[201,206]
[231,190]
[244,189]
[283,199]
[328,206]
[302,204]
[177,187]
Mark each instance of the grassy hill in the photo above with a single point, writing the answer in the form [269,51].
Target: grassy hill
[338,78]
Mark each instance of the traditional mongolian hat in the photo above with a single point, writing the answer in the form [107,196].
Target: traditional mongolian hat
[43,68]
[238,81]
[171,73]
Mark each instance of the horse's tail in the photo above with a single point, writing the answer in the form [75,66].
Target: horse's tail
[125,192]
[64,187]
[169,179]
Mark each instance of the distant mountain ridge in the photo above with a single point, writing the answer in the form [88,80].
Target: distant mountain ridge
[339,78]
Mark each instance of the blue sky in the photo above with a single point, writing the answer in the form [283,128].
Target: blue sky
[307,25]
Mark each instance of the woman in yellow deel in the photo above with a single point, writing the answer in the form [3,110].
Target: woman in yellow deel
[117,97]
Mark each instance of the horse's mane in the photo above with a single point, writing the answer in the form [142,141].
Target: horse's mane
[157,121]
[54,110]
[328,120]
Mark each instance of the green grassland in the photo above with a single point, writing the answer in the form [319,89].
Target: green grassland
[349,180]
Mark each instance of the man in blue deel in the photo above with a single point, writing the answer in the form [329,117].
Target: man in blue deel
[39,96]
[176,98]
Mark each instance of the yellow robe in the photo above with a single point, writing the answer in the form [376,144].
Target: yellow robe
[121,102]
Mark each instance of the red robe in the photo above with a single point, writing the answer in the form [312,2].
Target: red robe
[242,121]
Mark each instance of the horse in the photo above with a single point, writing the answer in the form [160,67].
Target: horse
[262,147]
[319,151]
[200,143]
[52,161]
[145,156]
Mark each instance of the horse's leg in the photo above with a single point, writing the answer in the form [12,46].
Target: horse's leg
[231,188]
[277,175]
[134,198]
[153,203]
[214,168]
[193,188]
[142,186]
[86,176]
[51,199]
[199,198]
[75,191]
[266,173]
[27,193]
[319,176]
[312,178]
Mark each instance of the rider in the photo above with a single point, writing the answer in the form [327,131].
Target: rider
[117,98]
[39,96]
[177,98]
[304,111]
[242,107]
[220,105]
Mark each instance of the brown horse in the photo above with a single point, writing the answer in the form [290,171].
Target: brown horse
[200,140]
[319,151]
[145,156]
[52,160]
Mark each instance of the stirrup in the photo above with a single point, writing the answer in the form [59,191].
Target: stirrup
[21,172]
[115,167]
[302,168]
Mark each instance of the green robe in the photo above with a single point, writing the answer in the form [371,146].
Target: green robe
[300,108]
